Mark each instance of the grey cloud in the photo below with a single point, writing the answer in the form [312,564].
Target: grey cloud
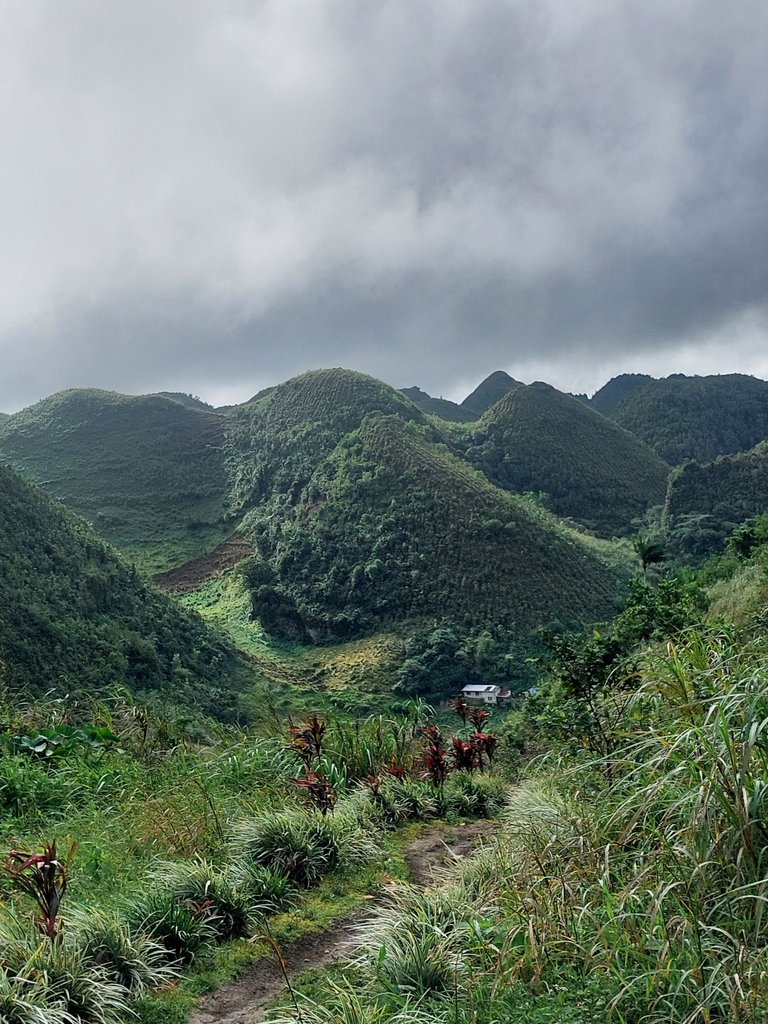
[215,195]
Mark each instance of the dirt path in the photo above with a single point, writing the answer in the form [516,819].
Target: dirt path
[242,1000]
[191,575]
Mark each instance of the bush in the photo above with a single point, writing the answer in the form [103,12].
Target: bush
[474,796]
[213,894]
[304,846]
[185,931]
[132,960]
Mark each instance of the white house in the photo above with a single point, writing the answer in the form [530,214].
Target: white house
[485,693]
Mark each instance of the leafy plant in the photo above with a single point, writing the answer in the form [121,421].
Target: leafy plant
[43,877]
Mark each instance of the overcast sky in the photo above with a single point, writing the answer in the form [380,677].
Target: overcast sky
[212,195]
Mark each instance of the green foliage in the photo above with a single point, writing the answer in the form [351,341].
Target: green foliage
[589,679]
[303,846]
[391,528]
[184,930]
[540,440]
[695,417]
[490,391]
[706,502]
[77,620]
[439,406]
[277,441]
[125,958]
[147,471]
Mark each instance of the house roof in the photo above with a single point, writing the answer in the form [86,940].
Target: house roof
[479,688]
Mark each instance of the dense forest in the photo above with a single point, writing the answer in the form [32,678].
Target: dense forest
[586,467]
[450,546]
[147,471]
[77,621]
[690,417]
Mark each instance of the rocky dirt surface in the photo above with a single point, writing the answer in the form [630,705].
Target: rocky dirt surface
[191,575]
[243,1000]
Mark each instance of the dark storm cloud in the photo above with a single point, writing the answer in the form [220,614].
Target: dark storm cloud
[212,196]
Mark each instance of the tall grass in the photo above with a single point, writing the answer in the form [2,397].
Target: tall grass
[629,888]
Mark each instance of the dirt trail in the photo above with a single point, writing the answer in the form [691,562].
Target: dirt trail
[191,575]
[242,1000]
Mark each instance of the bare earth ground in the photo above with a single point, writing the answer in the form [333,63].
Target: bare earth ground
[191,575]
[242,1000]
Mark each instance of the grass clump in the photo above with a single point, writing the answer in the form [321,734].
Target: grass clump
[304,846]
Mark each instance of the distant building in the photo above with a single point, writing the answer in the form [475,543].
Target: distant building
[485,693]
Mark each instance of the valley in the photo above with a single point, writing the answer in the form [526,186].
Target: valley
[231,647]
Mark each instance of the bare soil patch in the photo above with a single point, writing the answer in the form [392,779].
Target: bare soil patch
[243,1000]
[194,573]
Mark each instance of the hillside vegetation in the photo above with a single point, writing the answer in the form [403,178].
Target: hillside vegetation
[539,439]
[489,391]
[695,417]
[147,471]
[441,407]
[74,619]
[278,440]
[705,503]
[393,528]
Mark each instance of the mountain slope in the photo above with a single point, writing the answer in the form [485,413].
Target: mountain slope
[539,439]
[705,503]
[75,619]
[697,417]
[392,528]
[279,438]
[617,390]
[441,407]
[489,391]
[148,471]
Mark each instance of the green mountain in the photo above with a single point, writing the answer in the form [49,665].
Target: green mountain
[277,440]
[147,471]
[441,407]
[617,390]
[538,439]
[706,502]
[191,401]
[697,417]
[74,619]
[489,391]
[391,528]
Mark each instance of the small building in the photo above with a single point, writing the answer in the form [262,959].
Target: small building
[485,693]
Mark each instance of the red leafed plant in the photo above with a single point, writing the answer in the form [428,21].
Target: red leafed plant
[464,754]
[485,744]
[479,718]
[318,789]
[43,876]
[394,769]
[434,755]
[461,708]
[307,739]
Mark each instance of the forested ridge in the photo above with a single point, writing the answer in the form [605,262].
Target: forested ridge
[693,417]
[538,439]
[75,619]
[393,527]
[147,471]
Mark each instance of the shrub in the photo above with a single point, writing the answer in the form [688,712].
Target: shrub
[474,796]
[24,1001]
[212,893]
[304,846]
[183,930]
[266,889]
[125,958]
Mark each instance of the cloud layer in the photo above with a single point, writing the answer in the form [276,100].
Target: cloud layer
[213,195]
